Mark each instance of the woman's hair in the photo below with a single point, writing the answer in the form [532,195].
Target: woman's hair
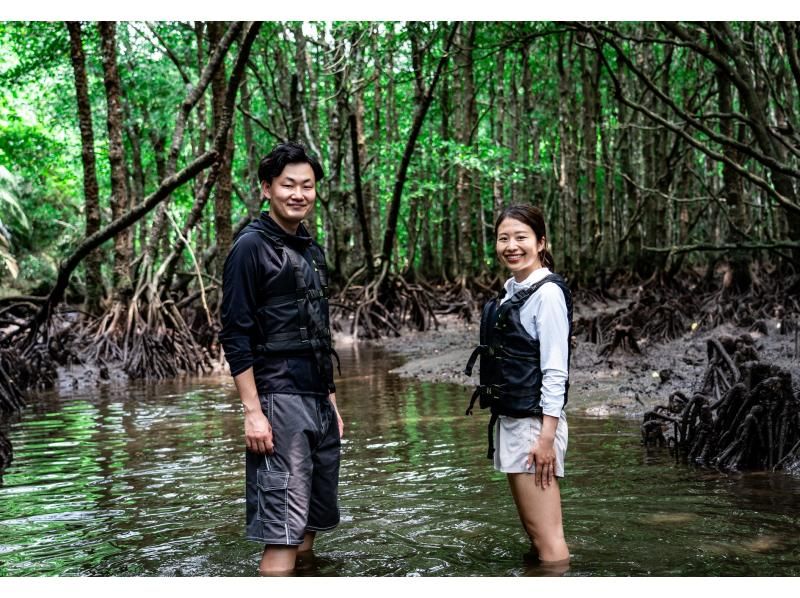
[534,218]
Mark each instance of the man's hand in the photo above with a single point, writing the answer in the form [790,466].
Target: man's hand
[257,429]
[258,433]
[339,422]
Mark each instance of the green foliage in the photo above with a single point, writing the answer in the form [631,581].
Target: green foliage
[528,142]
[13,222]
[37,273]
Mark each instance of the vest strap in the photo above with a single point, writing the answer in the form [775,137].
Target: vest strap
[280,337]
[521,297]
[492,422]
[318,259]
[280,299]
[479,350]
[317,293]
[291,297]
[474,398]
[338,363]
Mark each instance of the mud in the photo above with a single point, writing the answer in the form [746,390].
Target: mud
[625,384]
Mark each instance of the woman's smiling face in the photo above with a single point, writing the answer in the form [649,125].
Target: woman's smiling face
[518,248]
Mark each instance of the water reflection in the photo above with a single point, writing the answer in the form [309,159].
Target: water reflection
[6,453]
[149,480]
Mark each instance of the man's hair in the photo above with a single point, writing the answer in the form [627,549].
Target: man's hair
[273,163]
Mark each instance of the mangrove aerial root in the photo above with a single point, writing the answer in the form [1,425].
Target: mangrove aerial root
[381,307]
[624,338]
[746,414]
[658,314]
[156,344]
[25,366]
[661,313]
[11,395]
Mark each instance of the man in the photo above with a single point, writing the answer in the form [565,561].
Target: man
[276,337]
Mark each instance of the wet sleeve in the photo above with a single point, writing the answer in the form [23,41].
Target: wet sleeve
[239,303]
[552,327]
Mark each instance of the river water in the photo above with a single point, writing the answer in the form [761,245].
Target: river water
[149,480]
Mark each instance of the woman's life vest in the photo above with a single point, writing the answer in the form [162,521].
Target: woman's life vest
[293,318]
[510,373]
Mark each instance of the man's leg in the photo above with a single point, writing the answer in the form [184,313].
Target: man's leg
[540,513]
[323,512]
[279,484]
[308,542]
[277,559]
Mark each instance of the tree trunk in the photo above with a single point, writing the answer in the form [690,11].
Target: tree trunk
[252,190]
[221,139]
[224,185]
[400,179]
[449,260]
[592,234]
[194,97]
[466,122]
[340,226]
[567,159]
[94,279]
[499,112]
[366,242]
[733,192]
[116,157]
[308,130]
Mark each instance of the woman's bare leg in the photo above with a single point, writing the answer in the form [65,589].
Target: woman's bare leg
[540,512]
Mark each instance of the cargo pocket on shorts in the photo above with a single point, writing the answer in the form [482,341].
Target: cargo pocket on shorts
[272,495]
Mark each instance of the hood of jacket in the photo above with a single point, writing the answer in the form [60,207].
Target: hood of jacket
[299,241]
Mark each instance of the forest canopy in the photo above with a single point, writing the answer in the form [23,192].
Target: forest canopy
[129,155]
[633,137]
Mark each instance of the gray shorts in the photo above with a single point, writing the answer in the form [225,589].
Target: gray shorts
[513,438]
[295,489]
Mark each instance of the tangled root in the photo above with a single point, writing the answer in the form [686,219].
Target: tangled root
[745,416]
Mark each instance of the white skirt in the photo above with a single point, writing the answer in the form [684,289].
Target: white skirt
[514,437]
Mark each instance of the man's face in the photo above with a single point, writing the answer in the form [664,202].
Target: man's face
[291,195]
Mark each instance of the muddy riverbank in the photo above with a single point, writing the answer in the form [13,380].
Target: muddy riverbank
[626,384]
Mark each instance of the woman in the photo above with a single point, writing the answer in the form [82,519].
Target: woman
[524,354]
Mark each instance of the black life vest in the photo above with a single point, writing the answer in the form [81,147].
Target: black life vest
[511,374]
[293,318]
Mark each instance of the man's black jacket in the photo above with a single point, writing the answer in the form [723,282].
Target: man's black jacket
[253,264]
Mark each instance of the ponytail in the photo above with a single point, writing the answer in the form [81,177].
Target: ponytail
[547,260]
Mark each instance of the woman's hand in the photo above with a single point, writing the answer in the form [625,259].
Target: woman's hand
[543,456]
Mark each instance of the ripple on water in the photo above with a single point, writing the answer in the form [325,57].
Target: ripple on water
[150,481]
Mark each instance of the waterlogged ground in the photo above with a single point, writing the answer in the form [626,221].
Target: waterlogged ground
[149,481]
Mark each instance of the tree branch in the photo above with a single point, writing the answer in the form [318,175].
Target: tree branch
[674,250]
[757,180]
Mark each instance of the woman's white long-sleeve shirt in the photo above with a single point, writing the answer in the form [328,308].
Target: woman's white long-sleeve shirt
[544,317]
